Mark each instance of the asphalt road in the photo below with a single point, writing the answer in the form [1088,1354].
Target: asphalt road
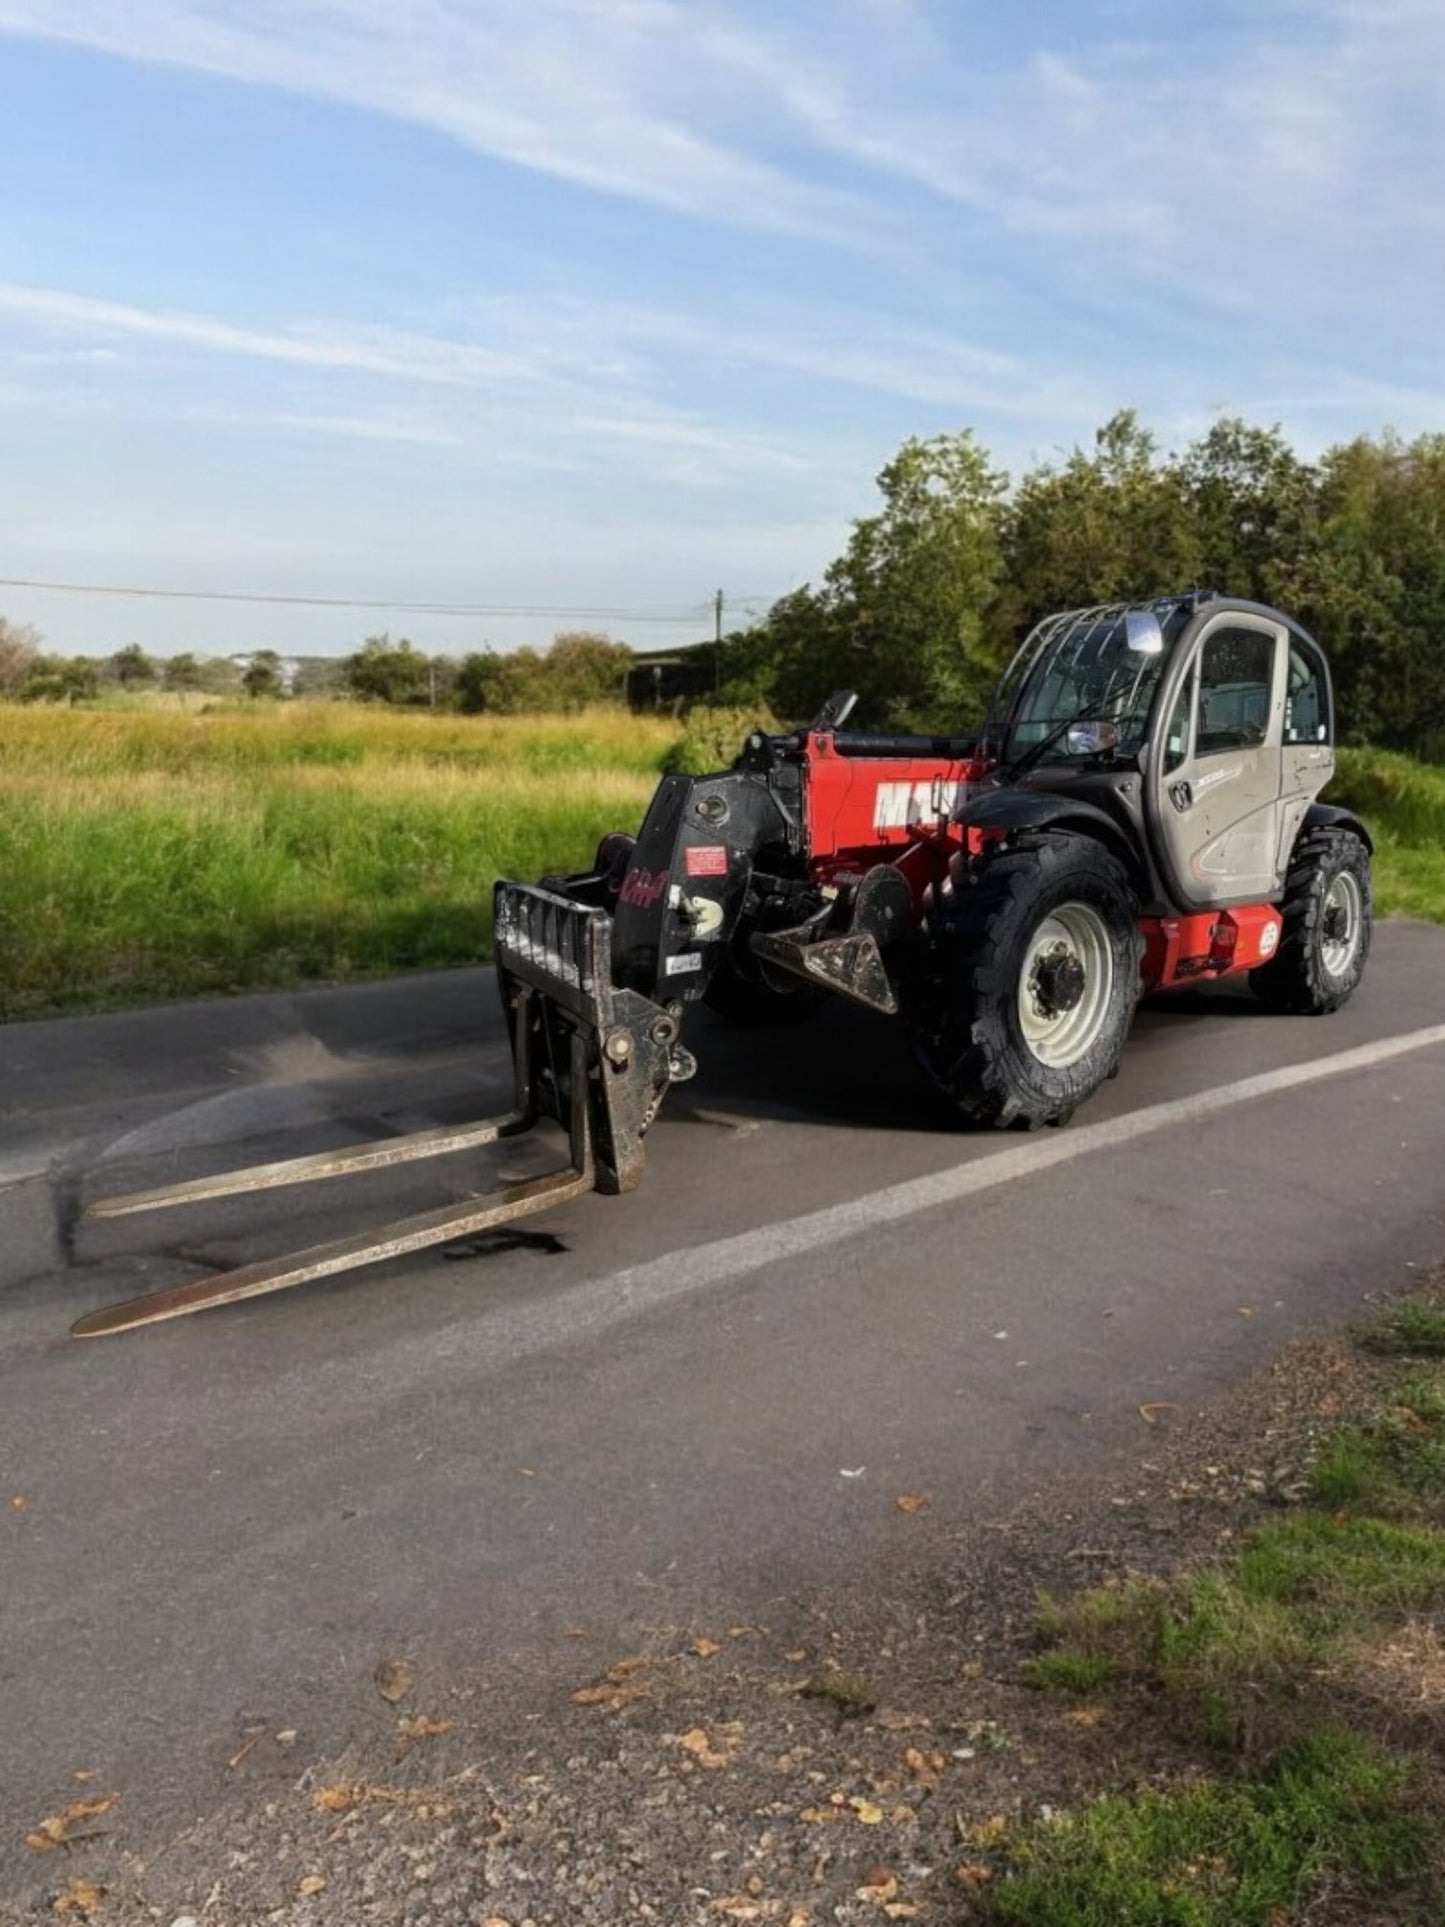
[702,1399]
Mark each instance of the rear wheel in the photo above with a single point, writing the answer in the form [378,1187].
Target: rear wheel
[1328,914]
[1032,980]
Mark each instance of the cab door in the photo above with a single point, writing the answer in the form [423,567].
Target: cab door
[1215,788]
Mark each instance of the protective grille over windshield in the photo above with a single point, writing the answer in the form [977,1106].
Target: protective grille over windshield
[1077,666]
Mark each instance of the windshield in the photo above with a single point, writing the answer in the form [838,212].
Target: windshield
[1077,666]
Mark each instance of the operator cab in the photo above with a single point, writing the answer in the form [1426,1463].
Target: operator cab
[1200,725]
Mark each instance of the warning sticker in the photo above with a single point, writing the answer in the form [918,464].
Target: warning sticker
[706,860]
[682,966]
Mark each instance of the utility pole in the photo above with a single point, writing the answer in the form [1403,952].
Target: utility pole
[717,609]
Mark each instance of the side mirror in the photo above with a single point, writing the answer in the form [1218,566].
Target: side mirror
[1142,633]
[1093,739]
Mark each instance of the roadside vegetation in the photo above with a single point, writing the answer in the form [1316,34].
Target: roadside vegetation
[157,854]
[1305,1671]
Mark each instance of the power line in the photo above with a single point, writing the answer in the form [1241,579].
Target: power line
[695,612]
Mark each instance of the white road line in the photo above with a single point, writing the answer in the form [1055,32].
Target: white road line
[588,1308]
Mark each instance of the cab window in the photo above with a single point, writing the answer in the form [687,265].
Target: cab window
[1307,699]
[1176,737]
[1236,681]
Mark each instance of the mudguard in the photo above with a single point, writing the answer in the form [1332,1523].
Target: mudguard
[1329,816]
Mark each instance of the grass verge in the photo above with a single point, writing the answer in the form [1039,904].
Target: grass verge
[1309,1667]
[164,853]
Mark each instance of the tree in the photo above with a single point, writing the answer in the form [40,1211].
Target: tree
[61,679]
[1253,504]
[1109,526]
[580,670]
[1372,587]
[19,653]
[383,671]
[262,676]
[132,668]
[902,615]
[182,672]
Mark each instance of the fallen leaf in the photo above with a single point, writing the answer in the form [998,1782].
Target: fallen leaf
[1083,1716]
[1150,1411]
[712,1750]
[705,1648]
[423,1729]
[736,1908]
[79,1897]
[526,1471]
[901,1910]
[1246,1311]
[19,1502]
[312,1883]
[576,1632]
[796,1656]
[59,1828]
[288,1736]
[971,1669]
[911,1501]
[865,1811]
[818,1816]
[614,1698]
[394,1679]
[989,1832]
[335,1799]
[495,1920]
[973,1874]
[800,1917]
[879,1883]
[83,1774]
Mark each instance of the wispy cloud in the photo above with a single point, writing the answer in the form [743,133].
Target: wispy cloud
[584,92]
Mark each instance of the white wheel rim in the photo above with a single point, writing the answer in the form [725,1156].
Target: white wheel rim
[1060,1019]
[1341,922]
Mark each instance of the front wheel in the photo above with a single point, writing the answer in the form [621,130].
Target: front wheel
[1031,982]
[1328,914]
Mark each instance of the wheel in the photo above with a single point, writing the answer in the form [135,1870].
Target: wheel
[753,1002]
[1328,912]
[1032,979]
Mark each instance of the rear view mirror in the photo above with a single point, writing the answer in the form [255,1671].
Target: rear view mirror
[1142,633]
[1093,739]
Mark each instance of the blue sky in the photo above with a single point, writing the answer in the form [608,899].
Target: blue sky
[600,305]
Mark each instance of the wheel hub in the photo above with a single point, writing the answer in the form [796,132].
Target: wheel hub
[1065,985]
[1058,982]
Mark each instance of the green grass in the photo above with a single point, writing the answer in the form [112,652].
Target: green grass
[1403,802]
[1251,1656]
[1331,1811]
[160,853]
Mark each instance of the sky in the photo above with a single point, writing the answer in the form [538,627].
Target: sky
[550,314]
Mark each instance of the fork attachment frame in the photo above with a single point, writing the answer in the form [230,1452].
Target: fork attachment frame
[596,1059]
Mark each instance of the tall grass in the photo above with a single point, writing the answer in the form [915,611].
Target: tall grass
[157,854]
[1403,802]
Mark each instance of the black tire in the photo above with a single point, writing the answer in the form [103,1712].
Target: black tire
[1328,914]
[752,1002]
[1032,979]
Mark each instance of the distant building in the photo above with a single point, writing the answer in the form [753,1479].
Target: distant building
[661,678]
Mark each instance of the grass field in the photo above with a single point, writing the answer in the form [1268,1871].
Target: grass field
[162,851]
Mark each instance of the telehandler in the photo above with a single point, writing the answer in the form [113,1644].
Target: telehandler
[1140,811]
